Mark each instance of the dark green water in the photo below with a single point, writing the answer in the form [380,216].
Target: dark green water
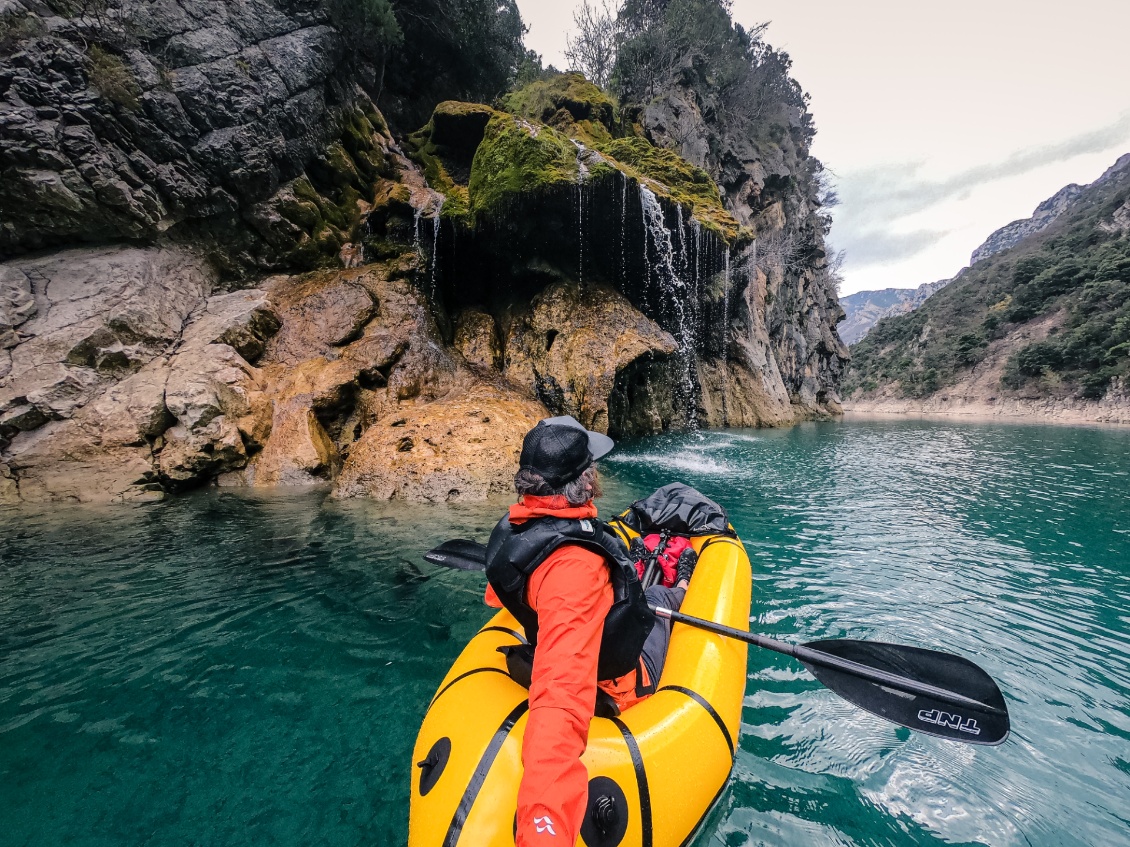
[251,670]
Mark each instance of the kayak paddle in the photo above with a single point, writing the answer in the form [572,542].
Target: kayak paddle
[928,691]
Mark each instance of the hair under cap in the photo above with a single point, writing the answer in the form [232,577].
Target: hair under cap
[559,449]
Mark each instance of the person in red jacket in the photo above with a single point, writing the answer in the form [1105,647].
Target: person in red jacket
[571,591]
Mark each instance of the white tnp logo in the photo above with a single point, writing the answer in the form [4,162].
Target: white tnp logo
[545,824]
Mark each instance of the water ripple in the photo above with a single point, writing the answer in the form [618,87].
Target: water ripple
[241,669]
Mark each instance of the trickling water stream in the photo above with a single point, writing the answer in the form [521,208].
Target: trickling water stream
[437,222]
[673,291]
[417,247]
[582,177]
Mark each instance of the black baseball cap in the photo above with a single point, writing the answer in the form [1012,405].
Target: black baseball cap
[560,449]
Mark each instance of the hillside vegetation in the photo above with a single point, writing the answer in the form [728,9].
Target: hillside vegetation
[1072,279]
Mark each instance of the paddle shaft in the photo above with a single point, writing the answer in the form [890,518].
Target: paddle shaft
[816,657]
[470,555]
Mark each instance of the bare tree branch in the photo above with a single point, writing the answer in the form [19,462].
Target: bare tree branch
[593,50]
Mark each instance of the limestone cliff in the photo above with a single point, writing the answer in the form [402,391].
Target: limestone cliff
[724,100]
[276,291]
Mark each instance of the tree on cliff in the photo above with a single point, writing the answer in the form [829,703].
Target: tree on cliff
[697,43]
[451,50]
[592,51]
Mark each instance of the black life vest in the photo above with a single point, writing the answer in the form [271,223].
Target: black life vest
[515,552]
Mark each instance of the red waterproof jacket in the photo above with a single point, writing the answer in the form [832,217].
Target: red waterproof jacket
[571,592]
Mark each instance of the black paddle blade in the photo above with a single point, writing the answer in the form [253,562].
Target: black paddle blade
[979,717]
[459,553]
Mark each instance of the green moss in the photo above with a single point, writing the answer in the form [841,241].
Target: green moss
[400,193]
[566,98]
[113,79]
[445,148]
[300,213]
[670,176]
[516,157]
[357,141]
[304,190]
[343,170]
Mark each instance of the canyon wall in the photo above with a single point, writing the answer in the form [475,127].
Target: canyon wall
[221,267]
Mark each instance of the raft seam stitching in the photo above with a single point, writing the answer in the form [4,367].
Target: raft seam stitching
[475,785]
[641,782]
[702,701]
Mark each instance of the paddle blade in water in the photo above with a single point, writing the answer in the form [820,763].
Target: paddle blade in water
[459,553]
[968,706]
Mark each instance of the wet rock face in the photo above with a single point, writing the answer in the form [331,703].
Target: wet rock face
[466,448]
[366,395]
[586,199]
[766,188]
[169,112]
[476,339]
[570,344]
[335,377]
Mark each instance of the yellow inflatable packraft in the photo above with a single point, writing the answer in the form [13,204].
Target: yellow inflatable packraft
[663,762]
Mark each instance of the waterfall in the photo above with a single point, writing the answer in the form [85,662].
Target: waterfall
[692,296]
[696,280]
[673,295]
[436,221]
[726,305]
[416,246]
[683,268]
[582,176]
[623,225]
[726,336]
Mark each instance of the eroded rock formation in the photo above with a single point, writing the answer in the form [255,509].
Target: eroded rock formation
[278,293]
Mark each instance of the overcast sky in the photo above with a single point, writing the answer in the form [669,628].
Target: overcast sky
[941,122]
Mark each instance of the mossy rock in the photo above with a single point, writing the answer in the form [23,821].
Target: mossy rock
[669,175]
[517,157]
[358,130]
[445,148]
[580,100]
[460,125]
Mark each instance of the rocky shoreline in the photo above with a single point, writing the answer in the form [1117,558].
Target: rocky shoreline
[1113,409]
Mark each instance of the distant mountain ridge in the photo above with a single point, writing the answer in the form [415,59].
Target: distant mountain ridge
[1041,324]
[1045,214]
[864,309]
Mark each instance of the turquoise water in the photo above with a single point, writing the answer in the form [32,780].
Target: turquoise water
[245,670]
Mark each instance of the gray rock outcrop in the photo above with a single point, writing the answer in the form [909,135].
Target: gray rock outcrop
[188,117]
[129,378]
[1043,217]
[767,187]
